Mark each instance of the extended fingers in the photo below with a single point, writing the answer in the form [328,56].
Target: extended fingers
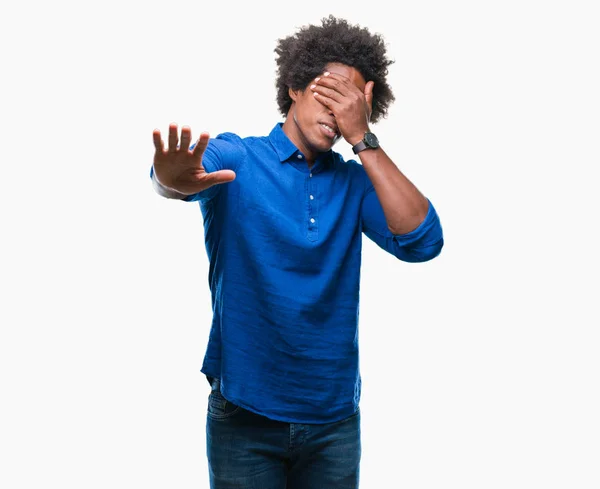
[186,137]
[201,144]
[174,143]
[158,142]
[173,138]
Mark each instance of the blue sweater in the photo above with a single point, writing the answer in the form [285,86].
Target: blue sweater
[284,245]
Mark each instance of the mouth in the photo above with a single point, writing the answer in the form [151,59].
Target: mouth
[330,131]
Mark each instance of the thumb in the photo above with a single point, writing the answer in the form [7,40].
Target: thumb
[219,176]
[369,96]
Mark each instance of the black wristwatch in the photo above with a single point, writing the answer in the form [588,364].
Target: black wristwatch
[369,141]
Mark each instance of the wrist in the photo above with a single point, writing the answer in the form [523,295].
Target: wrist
[368,141]
[357,137]
[355,140]
[165,191]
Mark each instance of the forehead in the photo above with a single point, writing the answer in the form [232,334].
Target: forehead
[348,72]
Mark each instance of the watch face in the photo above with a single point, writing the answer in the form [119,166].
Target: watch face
[371,140]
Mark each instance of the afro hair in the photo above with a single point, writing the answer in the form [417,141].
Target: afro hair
[304,55]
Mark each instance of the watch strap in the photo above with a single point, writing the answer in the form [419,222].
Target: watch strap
[358,147]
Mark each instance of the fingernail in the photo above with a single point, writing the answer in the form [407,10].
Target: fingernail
[317,78]
[326,73]
[313,86]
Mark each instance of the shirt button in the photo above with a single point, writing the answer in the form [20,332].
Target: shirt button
[310,175]
[312,197]
[312,220]
[299,157]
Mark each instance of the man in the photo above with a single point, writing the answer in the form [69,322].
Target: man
[284,216]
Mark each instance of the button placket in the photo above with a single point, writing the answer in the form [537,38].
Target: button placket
[313,209]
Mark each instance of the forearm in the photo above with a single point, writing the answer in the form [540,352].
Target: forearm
[403,204]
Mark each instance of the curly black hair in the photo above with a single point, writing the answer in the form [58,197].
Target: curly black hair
[303,56]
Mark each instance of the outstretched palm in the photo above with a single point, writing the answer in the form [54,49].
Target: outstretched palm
[180,168]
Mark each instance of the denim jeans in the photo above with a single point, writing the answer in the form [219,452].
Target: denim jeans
[249,451]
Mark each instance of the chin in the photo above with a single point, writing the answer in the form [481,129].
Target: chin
[323,148]
[332,143]
[325,144]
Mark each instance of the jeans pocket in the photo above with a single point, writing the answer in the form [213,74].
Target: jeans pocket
[219,407]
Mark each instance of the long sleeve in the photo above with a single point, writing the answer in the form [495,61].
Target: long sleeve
[422,244]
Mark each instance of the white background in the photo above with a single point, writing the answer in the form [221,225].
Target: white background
[480,368]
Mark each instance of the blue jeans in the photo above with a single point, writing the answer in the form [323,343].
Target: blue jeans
[249,451]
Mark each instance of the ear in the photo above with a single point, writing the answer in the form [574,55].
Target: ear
[293,94]
[369,96]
